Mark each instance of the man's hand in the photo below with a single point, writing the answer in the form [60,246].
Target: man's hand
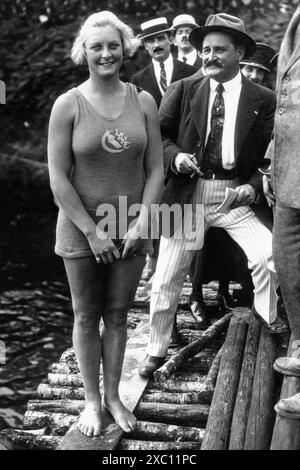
[186,163]
[268,191]
[246,196]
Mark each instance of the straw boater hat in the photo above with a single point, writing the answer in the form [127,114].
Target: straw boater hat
[184,20]
[153,27]
[223,23]
[262,58]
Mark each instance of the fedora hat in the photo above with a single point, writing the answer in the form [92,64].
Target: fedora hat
[184,20]
[153,27]
[224,23]
[262,57]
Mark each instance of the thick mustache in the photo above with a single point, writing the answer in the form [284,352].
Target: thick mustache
[157,49]
[215,62]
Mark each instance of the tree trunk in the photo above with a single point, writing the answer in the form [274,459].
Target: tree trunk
[190,415]
[15,439]
[245,390]
[47,392]
[165,432]
[220,416]
[128,444]
[178,359]
[261,414]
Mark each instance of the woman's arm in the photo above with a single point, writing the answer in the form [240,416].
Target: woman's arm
[60,165]
[153,164]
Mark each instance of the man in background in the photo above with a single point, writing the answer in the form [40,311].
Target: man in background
[182,26]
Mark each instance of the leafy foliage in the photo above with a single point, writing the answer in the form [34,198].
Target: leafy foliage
[36,38]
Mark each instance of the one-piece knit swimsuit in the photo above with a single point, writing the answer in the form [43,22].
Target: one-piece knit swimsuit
[107,172]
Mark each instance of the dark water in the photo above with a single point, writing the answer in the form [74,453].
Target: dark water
[35,309]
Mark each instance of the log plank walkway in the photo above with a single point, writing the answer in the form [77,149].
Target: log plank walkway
[222,398]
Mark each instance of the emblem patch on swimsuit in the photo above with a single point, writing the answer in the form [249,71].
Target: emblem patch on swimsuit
[115,141]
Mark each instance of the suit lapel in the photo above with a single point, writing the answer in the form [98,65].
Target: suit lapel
[290,49]
[199,96]
[247,112]
[150,75]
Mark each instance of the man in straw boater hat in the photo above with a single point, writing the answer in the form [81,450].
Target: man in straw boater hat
[259,65]
[182,26]
[215,131]
[164,69]
[155,78]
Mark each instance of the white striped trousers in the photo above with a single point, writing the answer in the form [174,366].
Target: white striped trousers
[175,258]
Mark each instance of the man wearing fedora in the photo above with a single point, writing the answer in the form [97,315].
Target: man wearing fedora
[259,65]
[215,132]
[164,69]
[182,26]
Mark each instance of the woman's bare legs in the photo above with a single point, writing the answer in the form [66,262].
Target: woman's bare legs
[85,278]
[120,288]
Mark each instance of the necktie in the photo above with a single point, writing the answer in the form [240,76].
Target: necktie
[184,59]
[163,77]
[212,158]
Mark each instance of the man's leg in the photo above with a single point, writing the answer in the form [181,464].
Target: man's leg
[256,241]
[173,264]
[286,245]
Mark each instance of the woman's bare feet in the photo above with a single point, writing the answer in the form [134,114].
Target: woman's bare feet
[89,422]
[122,416]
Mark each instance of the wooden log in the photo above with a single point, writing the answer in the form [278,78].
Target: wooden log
[131,389]
[169,397]
[261,413]
[244,394]
[47,392]
[65,380]
[69,357]
[188,376]
[179,386]
[190,415]
[199,363]
[16,439]
[64,368]
[128,444]
[219,420]
[165,432]
[286,433]
[70,407]
[188,351]
[59,423]
[208,386]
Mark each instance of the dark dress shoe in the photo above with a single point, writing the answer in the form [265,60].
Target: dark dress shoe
[198,310]
[149,365]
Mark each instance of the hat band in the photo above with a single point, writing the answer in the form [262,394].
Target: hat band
[155,29]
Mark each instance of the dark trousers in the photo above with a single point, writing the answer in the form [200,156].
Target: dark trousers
[286,248]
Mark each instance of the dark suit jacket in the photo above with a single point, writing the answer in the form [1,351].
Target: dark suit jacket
[197,63]
[183,119]
[145,78]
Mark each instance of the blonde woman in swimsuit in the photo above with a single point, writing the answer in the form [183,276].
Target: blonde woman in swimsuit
[104,142]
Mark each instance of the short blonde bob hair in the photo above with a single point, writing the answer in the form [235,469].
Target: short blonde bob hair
[103,18]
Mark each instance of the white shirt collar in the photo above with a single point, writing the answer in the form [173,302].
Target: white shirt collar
[168,63]
[190,57]
[231,85]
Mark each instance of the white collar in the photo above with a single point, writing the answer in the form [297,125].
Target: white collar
[192,56]
[168,63]
[231,85]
